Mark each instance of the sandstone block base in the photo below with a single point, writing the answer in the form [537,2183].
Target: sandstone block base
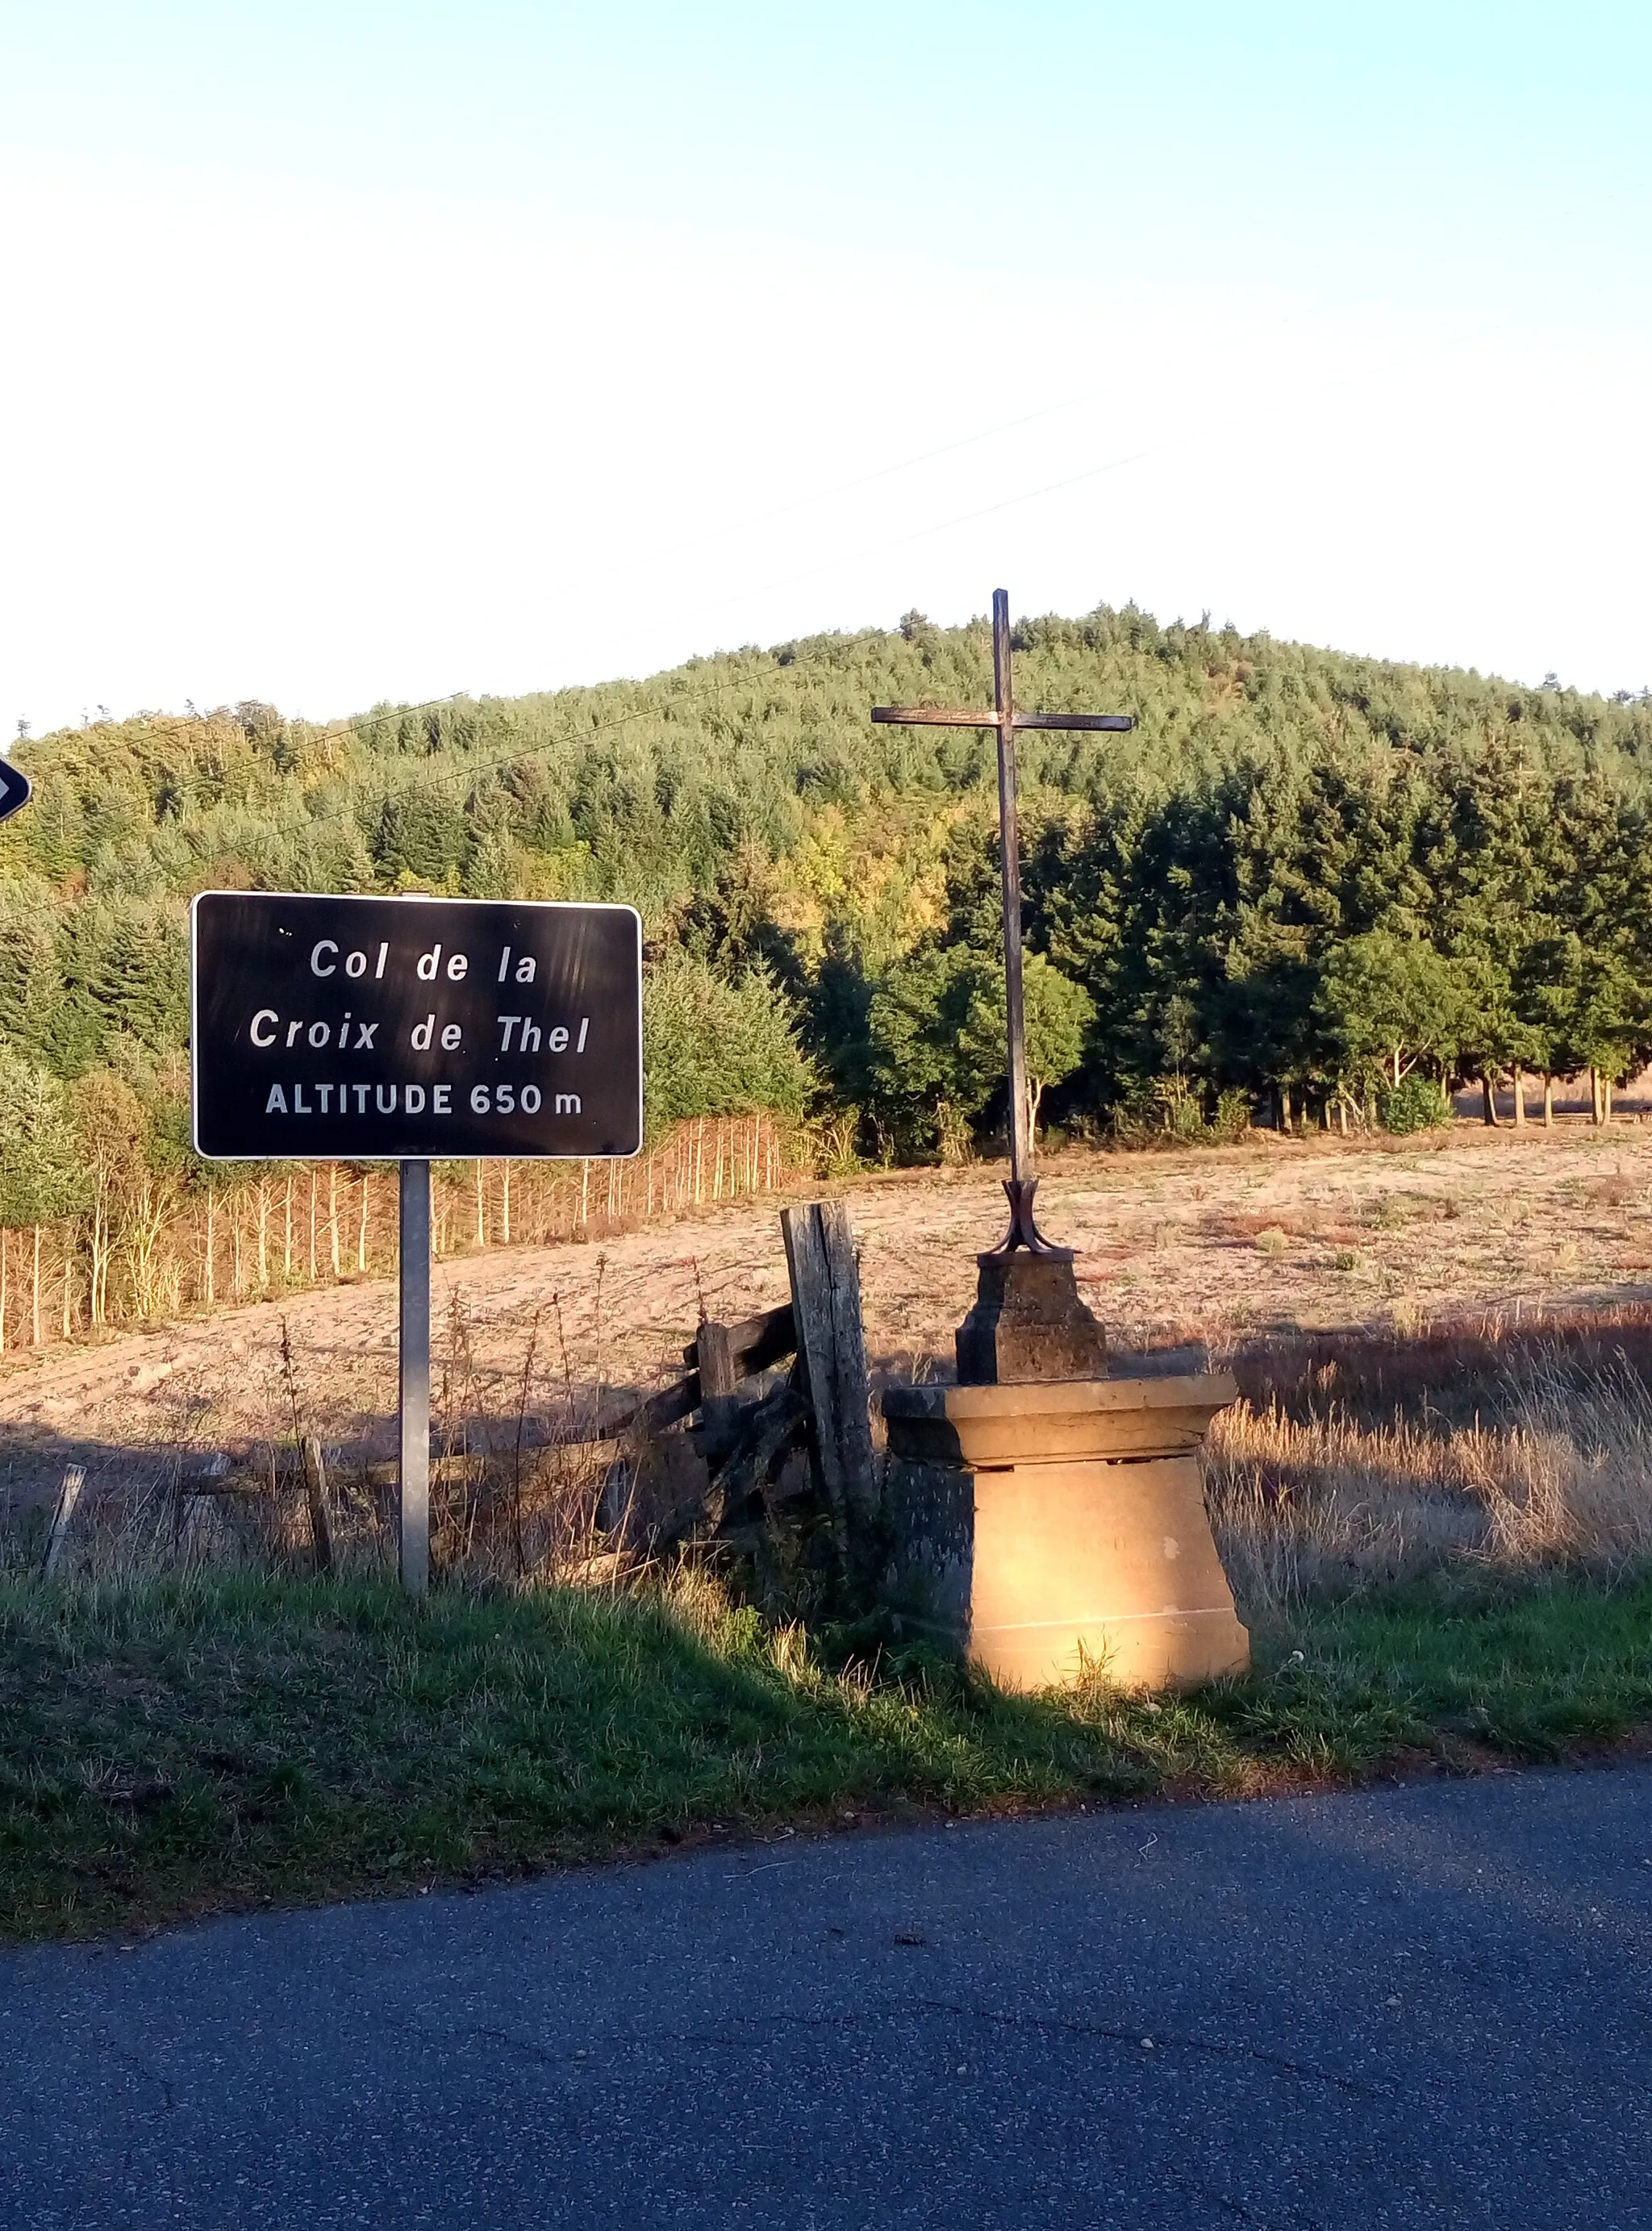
[1029,1321]
[1045,1528]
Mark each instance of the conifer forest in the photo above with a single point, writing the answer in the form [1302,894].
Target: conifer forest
[1309,887]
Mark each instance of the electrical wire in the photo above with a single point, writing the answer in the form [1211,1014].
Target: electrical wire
[471,763]
[467,763]
[984,511]
[355,722]
[870,479]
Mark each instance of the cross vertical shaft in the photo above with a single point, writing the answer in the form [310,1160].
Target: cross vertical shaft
[1020,1129]
[1021,1185]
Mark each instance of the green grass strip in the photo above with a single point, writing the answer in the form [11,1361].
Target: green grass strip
[201,1743]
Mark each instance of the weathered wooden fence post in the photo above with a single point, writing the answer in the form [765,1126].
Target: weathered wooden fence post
[826,1302]
[315,1496]
[68,1497]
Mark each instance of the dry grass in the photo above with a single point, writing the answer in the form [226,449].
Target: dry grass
[1313,1496]
[494,1521]
[1346,1467]
[1355,1460]
[1443,1350]
[1372,1237]
[521,1491]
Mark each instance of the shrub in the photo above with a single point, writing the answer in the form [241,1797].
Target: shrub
[1416,1104]
[717,1045]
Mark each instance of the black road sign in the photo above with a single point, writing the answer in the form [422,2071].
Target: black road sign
[13,789]
[407,1029]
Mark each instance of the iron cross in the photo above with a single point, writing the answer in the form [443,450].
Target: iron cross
[1022,1183]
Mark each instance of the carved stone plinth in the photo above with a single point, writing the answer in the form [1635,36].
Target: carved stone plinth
[1042,1528]
[1028,1324]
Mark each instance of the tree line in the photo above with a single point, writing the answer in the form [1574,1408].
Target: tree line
[1307,885]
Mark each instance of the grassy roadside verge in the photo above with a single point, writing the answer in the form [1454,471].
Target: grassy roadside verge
[206,1743]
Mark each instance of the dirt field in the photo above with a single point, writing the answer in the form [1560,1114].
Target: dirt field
[1208,1247]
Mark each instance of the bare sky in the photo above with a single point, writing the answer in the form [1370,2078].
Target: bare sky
[354,351]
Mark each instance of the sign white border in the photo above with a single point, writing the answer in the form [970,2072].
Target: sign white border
[419,898]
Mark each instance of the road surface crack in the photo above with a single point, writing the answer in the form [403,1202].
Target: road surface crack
[116,2051]
[1162,2040]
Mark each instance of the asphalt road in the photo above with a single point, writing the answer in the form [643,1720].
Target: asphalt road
[1426,2005]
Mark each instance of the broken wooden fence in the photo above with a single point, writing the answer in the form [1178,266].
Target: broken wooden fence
[791,1381]
[743,1422]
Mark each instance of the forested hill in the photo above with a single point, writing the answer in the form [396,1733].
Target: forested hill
[1303,871]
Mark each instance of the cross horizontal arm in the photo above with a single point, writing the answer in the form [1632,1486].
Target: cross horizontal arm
[970,716]
[1115,720]
[936,716]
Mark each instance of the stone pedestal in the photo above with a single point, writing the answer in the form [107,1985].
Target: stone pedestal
[1046,1525]
[1028,1322]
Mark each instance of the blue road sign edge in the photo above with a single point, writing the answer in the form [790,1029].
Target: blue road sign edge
[11,772]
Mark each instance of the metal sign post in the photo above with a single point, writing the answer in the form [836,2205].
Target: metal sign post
[413,1509]
[411,1030]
